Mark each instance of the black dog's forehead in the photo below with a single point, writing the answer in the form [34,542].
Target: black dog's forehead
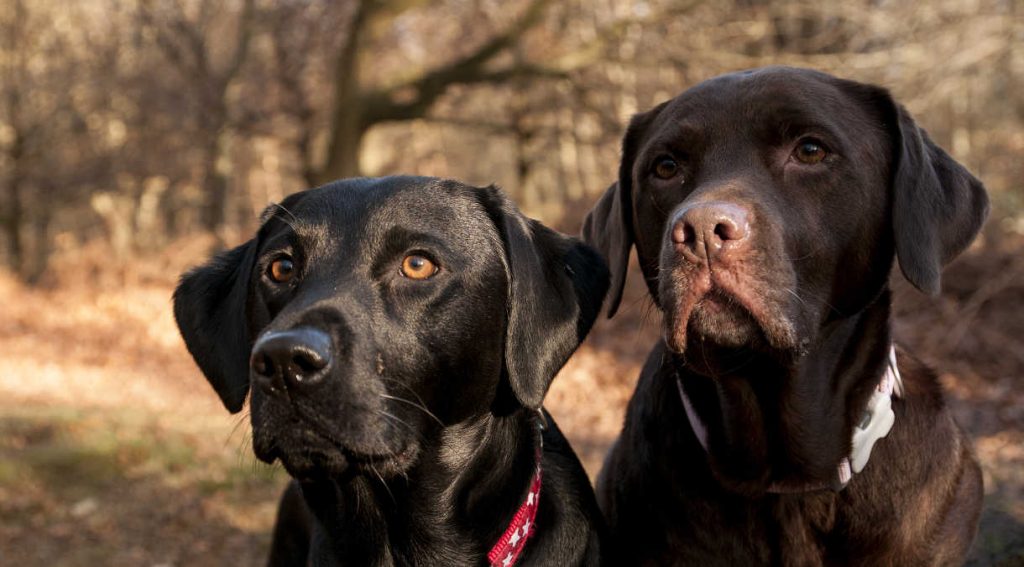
[770,102]
[357,213]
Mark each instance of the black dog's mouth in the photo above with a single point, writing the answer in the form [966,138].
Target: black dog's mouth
[308,463]
[308,453]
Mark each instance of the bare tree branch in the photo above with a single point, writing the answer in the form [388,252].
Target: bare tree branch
[380,105]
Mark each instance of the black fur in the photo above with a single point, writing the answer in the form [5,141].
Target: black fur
[409,423]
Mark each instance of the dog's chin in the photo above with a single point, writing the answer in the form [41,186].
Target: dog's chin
[307,455]
[719,321]
[718,324]
[717,337]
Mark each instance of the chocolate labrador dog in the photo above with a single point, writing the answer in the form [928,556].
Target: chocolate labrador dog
[767,208]
[399,335]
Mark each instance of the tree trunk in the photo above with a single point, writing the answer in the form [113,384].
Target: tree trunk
[215,186]
[13,220]
[343,160]
[356,108]
[34,269]
[347,128]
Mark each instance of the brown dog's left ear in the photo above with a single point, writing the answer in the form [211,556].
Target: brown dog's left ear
[556,286]
[938,207]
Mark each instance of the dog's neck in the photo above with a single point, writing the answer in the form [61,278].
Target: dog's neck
[789,424]
[449,509]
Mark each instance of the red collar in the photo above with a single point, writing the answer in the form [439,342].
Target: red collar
[506,552]
[876,422]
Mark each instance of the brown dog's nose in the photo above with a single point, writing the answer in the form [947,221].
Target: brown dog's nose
[292,359]
[707,230]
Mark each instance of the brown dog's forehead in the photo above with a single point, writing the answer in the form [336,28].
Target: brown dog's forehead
[770,97]
[779,85]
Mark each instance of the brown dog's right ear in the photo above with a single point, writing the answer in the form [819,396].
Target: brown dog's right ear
[609,225]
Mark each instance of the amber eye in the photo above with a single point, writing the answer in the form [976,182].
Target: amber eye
[666,168]
[281,270]
[810,152]
[418,267]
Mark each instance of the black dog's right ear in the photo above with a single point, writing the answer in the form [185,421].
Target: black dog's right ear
[210,307]
[938,207]
[609,225]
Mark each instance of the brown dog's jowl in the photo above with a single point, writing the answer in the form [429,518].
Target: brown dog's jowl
[775,423]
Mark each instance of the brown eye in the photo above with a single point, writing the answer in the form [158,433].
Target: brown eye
[417,267]
[810,152]
[282,270]
[666,168]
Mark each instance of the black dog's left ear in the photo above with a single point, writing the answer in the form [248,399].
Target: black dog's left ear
[210,308]
[556,286]
[938,207]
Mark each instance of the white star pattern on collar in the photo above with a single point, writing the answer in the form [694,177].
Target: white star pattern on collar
[506,551]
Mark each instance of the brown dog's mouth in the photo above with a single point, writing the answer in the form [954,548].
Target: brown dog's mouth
[723,319]
[722,310]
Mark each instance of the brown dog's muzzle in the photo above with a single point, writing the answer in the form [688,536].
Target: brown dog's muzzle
[707,232]
[723,280]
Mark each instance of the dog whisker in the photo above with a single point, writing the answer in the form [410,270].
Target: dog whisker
[241,419]
[382,482]
[822,300]
[281,207]
[397,419]
[419,406]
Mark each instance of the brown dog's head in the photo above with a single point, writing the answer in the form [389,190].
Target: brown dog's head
[765,203]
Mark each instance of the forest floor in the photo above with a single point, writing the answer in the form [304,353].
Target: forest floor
[114,451]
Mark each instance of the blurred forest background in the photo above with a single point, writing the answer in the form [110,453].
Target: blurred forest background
[137,136]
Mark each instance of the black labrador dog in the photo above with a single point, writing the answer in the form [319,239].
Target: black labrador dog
[767,208]
[399,335]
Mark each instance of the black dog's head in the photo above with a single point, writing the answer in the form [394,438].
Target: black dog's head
[764,203]
[370,313]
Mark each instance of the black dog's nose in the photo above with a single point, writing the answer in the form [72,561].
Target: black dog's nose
[292,359]
[707,230]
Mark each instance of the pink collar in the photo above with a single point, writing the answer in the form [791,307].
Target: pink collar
[506,552]
[875,423]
